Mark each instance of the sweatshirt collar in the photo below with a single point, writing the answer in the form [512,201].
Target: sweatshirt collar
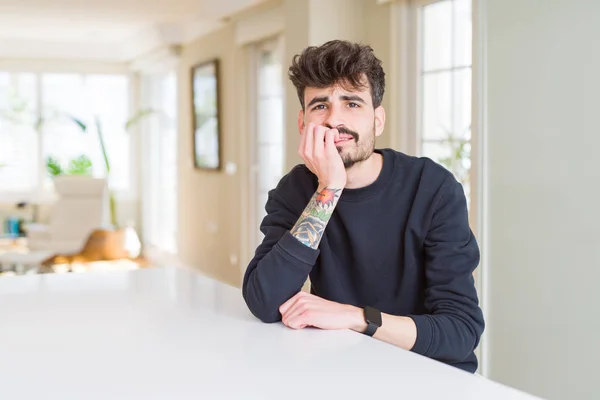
[363,193]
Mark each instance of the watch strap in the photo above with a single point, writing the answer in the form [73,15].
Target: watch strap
[371,329]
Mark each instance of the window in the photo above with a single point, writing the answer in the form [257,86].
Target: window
[160,170]
[268,143]
[444,86]
[19,152]
[25,145]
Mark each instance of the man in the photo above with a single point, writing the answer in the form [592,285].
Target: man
[384,237]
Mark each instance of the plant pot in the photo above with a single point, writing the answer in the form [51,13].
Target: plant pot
[79,185]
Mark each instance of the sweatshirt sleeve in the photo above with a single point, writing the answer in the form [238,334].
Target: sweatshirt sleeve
[451,329]
[281,264]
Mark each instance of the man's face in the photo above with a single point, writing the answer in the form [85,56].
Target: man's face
[351,112]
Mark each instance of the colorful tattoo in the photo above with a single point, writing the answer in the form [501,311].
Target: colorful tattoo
[312,223]
[327,196]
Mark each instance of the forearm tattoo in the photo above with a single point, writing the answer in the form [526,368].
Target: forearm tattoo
[312,223]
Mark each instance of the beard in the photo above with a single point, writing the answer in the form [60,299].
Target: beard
[363,150]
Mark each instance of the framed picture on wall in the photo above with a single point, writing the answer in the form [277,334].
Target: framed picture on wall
[206,122]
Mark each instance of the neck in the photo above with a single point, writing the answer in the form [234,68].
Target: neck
[364,173]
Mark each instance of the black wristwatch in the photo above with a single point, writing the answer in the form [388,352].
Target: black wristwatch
[373,320]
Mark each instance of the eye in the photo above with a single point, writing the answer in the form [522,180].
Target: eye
[319,107]
[353,105]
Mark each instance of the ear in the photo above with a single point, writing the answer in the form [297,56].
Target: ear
[301,121]
[379,120]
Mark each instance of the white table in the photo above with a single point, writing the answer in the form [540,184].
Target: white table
[168,333]
[23,260]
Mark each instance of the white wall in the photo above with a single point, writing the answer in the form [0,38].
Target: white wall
[209,201]
[543,104]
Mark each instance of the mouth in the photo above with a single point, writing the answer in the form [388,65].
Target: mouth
[343,138]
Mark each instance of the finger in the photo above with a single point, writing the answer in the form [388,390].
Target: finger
[285,306]
[298,302]
[300,321]
[330,137]
[319,143]
[301,305]
[302,144]
[309,140]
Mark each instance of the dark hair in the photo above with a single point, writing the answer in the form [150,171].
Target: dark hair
[338,62]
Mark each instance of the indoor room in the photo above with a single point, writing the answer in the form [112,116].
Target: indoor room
[274,199]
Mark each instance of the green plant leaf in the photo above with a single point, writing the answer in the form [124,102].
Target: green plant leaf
[39,123]
[13,117]
[77,122]
[53,166]
[81,165]
[137,117]
[113,210]
[17,110]
[102,144]
[16,103]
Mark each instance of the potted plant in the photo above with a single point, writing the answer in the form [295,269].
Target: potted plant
[102,244]
[79,166]
[130,123]
[105,244]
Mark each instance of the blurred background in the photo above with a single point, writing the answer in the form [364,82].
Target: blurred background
[141,132]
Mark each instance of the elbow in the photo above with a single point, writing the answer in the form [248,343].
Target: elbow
[449,337]
[467,328]
[259,306]
[469,333]
[466,349]
[263,311]
[266,316]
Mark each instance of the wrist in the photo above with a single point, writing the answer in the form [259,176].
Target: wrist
[357,321]
[334,184]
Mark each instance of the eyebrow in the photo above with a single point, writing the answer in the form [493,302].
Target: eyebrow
[353,98]
[321,99]
[324,99]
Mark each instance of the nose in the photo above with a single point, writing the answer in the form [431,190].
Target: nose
[334,117]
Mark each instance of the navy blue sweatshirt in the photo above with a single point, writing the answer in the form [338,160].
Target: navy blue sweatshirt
[402,245]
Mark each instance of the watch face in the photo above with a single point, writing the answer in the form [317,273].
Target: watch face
[373,315]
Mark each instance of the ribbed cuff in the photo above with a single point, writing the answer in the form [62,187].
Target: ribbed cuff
[424,334]
[300,252]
